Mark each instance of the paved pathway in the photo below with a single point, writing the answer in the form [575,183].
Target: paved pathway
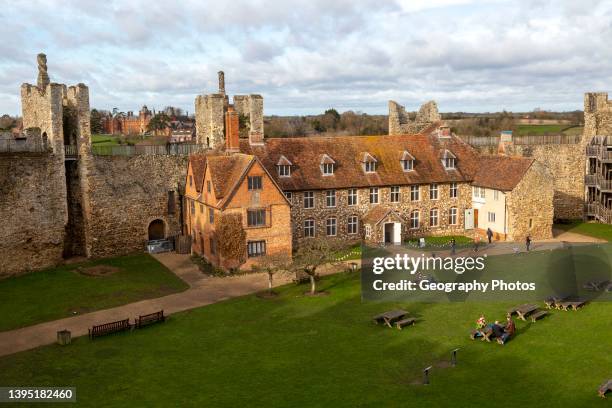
[205,290]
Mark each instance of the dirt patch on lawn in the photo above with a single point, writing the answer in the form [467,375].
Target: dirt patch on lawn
[98,270]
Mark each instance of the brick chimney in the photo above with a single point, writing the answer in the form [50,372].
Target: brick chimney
[232,124]
[505,142]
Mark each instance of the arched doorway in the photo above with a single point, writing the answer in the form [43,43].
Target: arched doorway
[157,230]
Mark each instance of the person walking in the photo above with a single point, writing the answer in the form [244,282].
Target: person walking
[489,234]
[453,244]
[528,242]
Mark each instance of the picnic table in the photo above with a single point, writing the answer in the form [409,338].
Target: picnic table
[604,388]
[523,311]
[574,305]
[596,286]
[390,317]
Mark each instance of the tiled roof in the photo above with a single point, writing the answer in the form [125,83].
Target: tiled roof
[378,213]
[226,171]
[501,172]
[348,152]
[198,165]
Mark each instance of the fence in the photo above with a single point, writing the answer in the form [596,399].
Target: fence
[182,243]
[23,146]
[128,150]
[523,140]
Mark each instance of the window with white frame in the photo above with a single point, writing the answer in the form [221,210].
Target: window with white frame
[414,193]
[331,227]
[453,191]
[407,165]
[309,228]
[352,224]
[482,192]
[395,194]
[450,163]
[495,195]
[352,196]
[256,218]
[491,216]
[373,195]
[414,219]
[370,166]
[308,199]
[433,191]
[368,231]
[330,198]
[433,217]
[475,192]
[327,169]
[284,170]
[256,248]
[452,216]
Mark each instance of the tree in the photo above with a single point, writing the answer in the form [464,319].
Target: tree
[158,122]
[7,122]
[273,264]
[312,254]
[231,239]
[95,121]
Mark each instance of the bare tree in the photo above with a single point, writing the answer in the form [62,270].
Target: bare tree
[273,264]
[313,254]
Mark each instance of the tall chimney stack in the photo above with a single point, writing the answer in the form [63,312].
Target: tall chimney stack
[221,82]
[232,125]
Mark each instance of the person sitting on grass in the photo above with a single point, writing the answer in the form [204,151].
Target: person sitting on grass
[497,329]
[508,331]
[481,322]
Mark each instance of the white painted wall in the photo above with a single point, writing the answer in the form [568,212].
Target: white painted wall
[492,201]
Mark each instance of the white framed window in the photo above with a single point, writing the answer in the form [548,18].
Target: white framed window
[414,193]
[491,216]
[327,169]
[284,170]
[496,195]
[370,166]
[475,192]
[450,163]
[414,219]
[309,228]
[407,165]
[452,216]
[433,191]
[453,191]
[308,199]
[368,231]
[289,195]
[482,192]
[256,248]
[433,217]
[330,198]
[331,227]
[395,194]
[352,196]
[373,195]
[352,224]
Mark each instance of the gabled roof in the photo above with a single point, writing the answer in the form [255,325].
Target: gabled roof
[446,154]
[501,172]
[405,155]
[325,159]
[226,172]
[349,151]
[379,213]
[198,167]
[283,161]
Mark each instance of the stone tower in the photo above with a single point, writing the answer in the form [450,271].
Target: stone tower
[400,122]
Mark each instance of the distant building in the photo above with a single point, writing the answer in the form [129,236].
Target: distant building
[127,124]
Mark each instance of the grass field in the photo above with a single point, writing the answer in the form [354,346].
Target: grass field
[592,229]
[104,140]
[300,351]
[58,292]
[523,130]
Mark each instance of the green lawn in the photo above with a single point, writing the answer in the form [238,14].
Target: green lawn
[324,351]
[592,229]
[58,292]
[523,130]
[104,140]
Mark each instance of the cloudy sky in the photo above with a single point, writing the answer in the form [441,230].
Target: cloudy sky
[305,56]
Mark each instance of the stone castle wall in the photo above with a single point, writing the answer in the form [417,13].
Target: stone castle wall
[401,124]
[34,212]
[126,194]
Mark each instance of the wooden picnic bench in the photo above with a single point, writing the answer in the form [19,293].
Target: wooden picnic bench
[538,315]
[572,305]
[553,302]
[605,387]
[485,333]
[390,317]
[151,318]
[524,310]
[595,286]
[108,328]
[405,322]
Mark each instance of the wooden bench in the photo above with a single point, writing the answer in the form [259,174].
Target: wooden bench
[605,387]
[152,318]
[108,328]
[538,315]
[388,318]
[405,322]
[595,286]
[573,305]
[525,310]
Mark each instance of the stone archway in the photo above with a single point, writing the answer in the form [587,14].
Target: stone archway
[157,229]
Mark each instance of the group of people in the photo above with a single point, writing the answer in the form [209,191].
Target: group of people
[489,233]
[501,333]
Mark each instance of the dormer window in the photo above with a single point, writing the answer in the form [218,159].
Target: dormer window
[284,167]
[407,161]
[369,163]
[449,160]
[327,165]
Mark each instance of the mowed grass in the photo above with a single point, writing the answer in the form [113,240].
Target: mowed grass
[592,229]
[299,351]
[58,292]
[104,140]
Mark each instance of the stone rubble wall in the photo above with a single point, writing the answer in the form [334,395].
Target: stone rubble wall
[401,124]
